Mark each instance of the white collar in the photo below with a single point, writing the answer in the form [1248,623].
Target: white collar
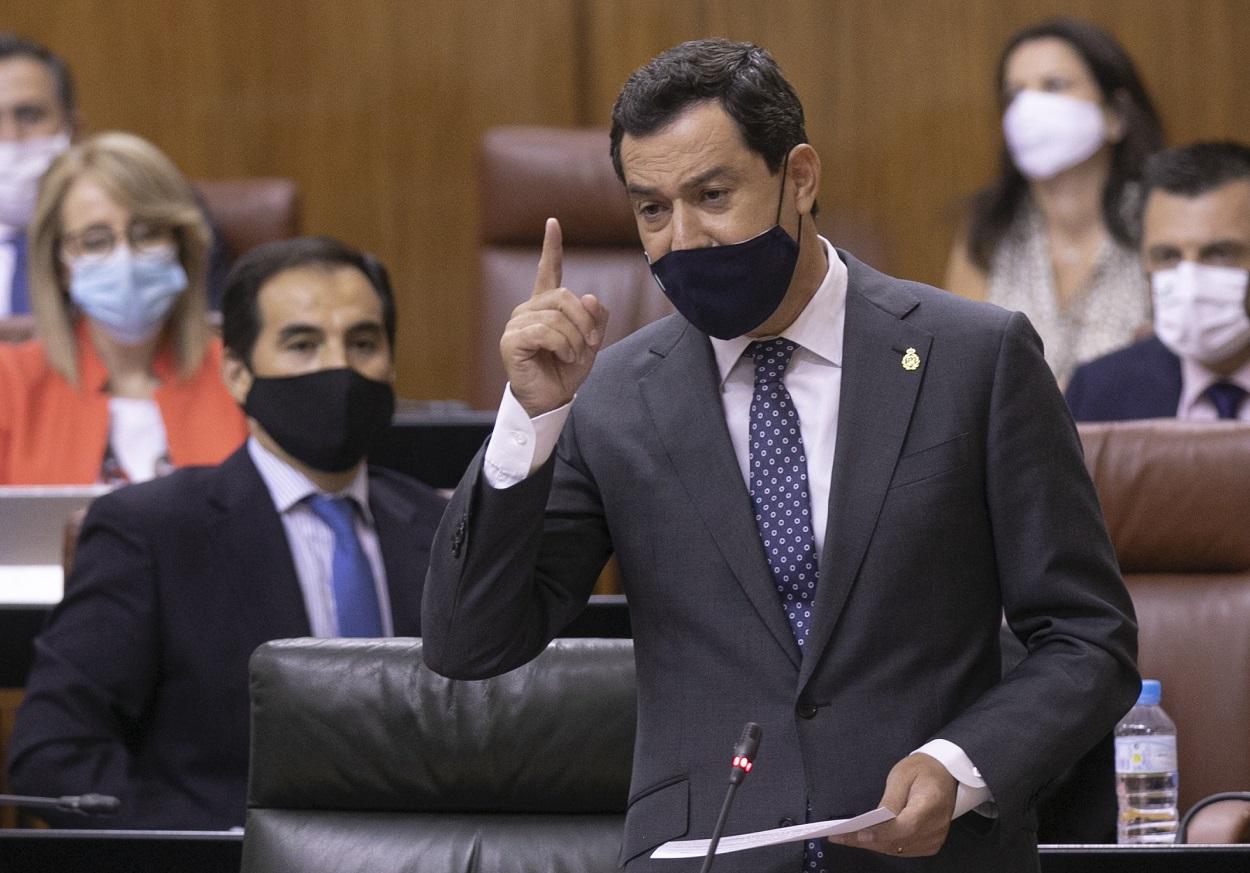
[818,328]
[288,486]
[1196,379]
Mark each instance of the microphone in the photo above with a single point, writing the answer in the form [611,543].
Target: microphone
[85,804]
[743,760]
[744,751]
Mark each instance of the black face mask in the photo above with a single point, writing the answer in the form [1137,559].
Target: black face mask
[328,419]
[727,291]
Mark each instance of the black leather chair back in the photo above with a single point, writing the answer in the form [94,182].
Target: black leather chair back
[364,760]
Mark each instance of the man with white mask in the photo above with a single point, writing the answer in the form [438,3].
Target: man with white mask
[37,121]
[1195,247]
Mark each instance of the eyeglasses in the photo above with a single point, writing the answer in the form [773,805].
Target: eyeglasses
[99,240]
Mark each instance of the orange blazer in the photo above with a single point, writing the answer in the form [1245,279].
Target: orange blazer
[54,434]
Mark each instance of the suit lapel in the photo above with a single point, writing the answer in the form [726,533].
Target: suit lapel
[405,554]
[253,558]
[682,394]
[1167,398]
[877,398]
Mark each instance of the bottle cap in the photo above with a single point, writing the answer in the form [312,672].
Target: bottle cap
[1151,692]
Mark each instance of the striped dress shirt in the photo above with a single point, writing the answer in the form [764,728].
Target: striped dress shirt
[312,542]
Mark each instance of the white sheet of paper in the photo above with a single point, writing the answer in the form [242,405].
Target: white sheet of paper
[793,834]
[41,584]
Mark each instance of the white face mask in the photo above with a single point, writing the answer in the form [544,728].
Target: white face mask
[22,163]
[1049,133]
[1200,310]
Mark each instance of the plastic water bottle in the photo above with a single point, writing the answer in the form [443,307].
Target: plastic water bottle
[1145,771]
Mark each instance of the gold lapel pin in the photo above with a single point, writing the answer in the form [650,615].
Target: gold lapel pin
[911,360]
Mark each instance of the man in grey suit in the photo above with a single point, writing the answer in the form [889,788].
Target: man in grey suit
[824,486]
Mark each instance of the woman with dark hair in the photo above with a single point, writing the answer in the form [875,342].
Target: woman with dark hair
[1052,235]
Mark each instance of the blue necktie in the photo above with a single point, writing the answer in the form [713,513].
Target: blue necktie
[351,578]
[783,505]
[1227,398]
[779,488]
[19,304]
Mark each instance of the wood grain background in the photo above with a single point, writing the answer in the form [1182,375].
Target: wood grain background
[375,106]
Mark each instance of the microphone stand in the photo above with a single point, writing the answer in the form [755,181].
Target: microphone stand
[744,752]
[83,804]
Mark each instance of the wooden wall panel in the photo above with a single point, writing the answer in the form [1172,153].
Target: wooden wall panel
[619,37]
[900,94]
[375,106]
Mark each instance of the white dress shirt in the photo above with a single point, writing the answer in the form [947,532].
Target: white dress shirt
[520,445]
[814,380]
[312,542]
[1196,379]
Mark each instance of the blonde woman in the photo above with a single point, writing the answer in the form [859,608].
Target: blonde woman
[122,383]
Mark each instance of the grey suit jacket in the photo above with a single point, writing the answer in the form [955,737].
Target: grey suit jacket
[958,493]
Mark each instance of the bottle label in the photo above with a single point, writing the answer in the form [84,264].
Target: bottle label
[1145,754]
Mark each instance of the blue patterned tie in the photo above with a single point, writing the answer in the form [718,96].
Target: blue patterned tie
[19,302]
[1227,398]
[351,577]
[783,504]
[779,489]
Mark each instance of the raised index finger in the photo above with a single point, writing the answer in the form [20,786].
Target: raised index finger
[551,262]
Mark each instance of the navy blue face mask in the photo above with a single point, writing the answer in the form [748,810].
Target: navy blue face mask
[728,291]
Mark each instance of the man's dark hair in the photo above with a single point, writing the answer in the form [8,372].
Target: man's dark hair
[1195,169]
[14,46]
[743,77]
[240,310]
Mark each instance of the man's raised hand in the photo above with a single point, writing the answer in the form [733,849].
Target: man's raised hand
[550,343]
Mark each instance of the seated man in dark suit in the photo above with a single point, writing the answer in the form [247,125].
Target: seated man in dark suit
[139,687]
[1196,248]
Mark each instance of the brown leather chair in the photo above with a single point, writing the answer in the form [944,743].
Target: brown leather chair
[251,211]
[1175,496]
[528,174]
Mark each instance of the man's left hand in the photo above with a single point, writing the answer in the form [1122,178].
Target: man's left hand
[921,793]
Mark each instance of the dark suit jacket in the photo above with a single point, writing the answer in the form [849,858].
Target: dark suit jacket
[1080,805]
[1140,381]
[139,686]
[958,492]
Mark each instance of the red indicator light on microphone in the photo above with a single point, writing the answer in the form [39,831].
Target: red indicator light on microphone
[742,763]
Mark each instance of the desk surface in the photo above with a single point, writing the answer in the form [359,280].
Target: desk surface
[1145,859]
[37,851]
[65,851]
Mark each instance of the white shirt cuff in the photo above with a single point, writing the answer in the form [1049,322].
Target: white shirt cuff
[971,793]
[519,445]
